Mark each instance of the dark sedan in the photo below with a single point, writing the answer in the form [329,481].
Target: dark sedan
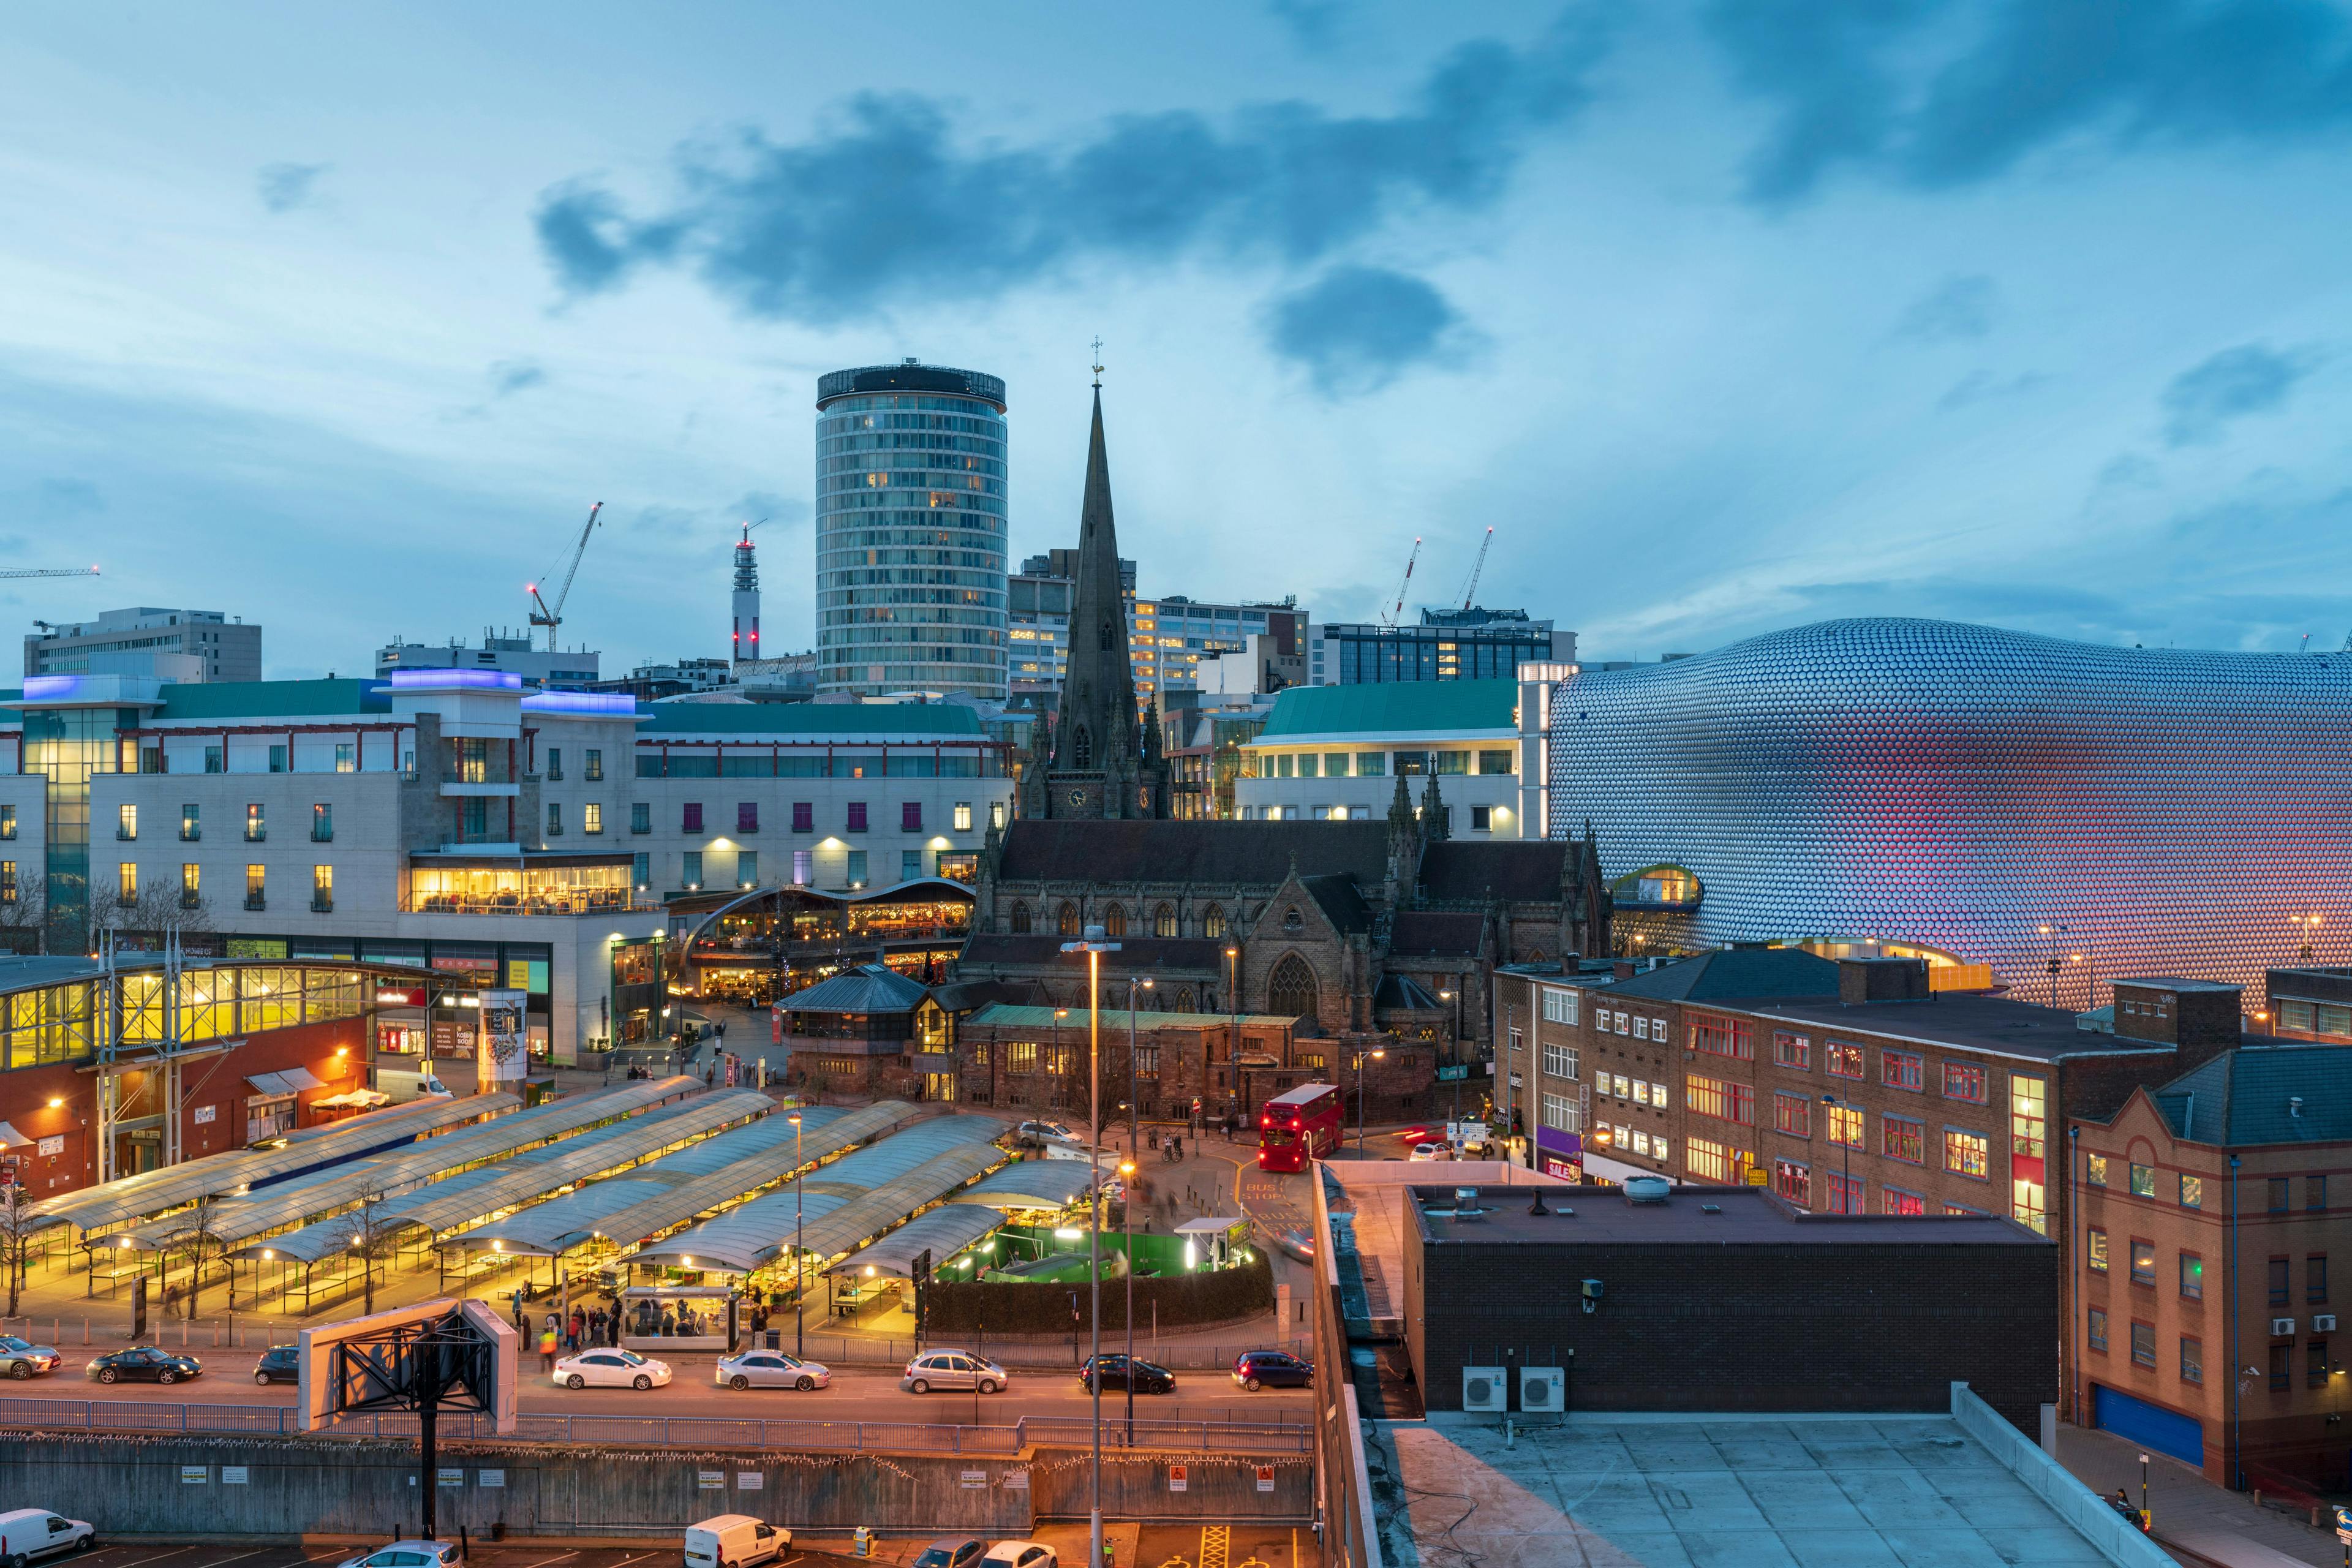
[144,1363]
[280,1363]
[1116,1372]
[1254,1370]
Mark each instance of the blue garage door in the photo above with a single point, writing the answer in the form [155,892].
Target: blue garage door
[2151,1426]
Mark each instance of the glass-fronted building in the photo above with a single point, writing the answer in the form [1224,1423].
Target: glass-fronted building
[1472,644]
[2062,812]
[911,531]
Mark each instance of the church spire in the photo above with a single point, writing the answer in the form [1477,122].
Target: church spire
[1096,736]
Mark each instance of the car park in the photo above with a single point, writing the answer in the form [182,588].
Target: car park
[1119,1371]
[22,1359]
[28,1535]
[951,1552]
[278,1364]
[735,1541]
[1254,1370]
[1021,1555]
[143,1364]
[611,1369]
[408,1554]
[952,1369]
[770,1369]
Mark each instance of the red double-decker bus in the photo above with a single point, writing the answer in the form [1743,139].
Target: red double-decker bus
[1295,1128]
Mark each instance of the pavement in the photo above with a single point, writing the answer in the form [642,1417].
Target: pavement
[1209,1545]
[2198,1521]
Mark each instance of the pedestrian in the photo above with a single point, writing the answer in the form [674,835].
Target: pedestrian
[547,1347]
[595,1325]
[579,1326]
[520,1326]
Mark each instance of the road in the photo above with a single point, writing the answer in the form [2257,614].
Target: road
[857,1394]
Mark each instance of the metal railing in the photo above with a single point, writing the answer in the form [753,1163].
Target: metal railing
[673,1431]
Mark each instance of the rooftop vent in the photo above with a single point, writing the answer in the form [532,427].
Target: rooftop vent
[2294,1105]
[1647,1189]
[1710,1208]
[1466,1204]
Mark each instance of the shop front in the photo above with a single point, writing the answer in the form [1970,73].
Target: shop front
[1560,1154]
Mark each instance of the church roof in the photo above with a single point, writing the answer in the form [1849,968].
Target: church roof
[1136,953]
[1515,870]
[1336,895]
[1217,854]
[1435,933]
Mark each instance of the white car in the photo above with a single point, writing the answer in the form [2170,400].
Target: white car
[1049,1132]
[1431,1151]
[407,1554]
[30,1533]
[1021,1555]
[611,1369]
[770,1369]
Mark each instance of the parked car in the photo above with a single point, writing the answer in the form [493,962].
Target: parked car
[770,1369]
[1254,1370]
[1038,1134]
[952,1369]
[143,1364]
[29,1532]
[1021,1554]
[733,1540]
[407,1554]
[612,1369]
[951,1552]
[278,1364]
[22,1358]
[1431,1151]
[1117,1371]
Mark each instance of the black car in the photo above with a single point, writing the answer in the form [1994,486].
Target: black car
[277,1364]
[144,1363]
[1254,1370]
[1116,1372]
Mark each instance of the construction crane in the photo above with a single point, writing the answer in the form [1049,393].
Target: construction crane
[552,615]
[1393,616]
[1470,588]
[54,571]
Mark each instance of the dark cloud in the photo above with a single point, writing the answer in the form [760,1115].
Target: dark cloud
[2201,400]
[1956,308]
[1935,95]
[1356,328]
[286,186]
[886,205]
[510,377]
[1983,386]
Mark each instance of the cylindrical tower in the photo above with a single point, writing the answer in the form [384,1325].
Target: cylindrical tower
[746,635]
[911,531]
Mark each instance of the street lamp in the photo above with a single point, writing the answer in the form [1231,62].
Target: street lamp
[1845,1201]
[1094,945]
[1361,1057]
[1454,1046]
[2306,925]
[2053,934]
[1234,1041]
[799,1258]
[1127,1201]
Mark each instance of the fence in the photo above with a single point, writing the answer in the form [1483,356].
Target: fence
[692,1432]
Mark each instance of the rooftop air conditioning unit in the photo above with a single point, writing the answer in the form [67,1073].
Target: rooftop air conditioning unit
[1485,1389]
[2324,1323]
[2282,1328]
[1647,1189]
[1543,1389]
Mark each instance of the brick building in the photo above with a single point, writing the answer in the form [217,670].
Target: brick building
[2309,1003]
[1794,1310]
[2212,1209]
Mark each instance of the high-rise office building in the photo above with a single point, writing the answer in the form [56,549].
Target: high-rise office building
[910,531]
[1167,638]
[148,644]
[1471,643]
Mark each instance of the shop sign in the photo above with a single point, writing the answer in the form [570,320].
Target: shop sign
[502,1057]
[396,996]
[205,1114]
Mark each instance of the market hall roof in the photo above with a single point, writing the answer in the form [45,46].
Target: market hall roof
[869,988]
[1220,854]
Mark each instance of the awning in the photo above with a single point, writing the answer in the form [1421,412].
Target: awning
[10,1137]
[269,1083]
[302,1077]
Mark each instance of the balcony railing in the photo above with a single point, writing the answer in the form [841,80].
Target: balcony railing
[323,903]
[191,835]
[192,900]
[257,834]
[126,834]
[567,903]
[257,901]
[322,836]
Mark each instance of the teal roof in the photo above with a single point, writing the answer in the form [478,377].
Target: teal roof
[861,720]
[1393,708]
[269,699]
[2248,1095]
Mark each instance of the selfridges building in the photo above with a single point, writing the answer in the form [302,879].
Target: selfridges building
[1978,795]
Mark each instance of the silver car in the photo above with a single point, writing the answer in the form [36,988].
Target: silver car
[770,1369]
[22,1359]
[952,1369]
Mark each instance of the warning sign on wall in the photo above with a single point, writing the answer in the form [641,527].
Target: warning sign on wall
[1265,1477]
[1176,1479]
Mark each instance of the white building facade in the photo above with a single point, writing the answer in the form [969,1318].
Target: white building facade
[1336,752]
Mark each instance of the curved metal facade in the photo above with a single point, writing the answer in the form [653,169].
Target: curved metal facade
[1961,788]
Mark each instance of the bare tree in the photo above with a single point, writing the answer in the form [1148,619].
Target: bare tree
[163,908]
[26,913]
[16,1223]
[196,1235]
[369,1237]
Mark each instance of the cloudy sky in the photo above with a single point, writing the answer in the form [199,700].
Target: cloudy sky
[1725,316]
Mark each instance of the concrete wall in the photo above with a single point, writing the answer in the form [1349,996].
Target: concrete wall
[129,1485]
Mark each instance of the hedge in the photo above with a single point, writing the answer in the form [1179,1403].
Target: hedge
[1027,1306]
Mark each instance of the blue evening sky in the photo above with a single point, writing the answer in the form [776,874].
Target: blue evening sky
[1725,316]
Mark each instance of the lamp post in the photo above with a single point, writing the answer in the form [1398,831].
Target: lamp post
[2053,934]
[1094,945]
[1845,1200]
[799,1258]
[1360,1058]
[1453,1046]
[1127,1204]
[2306,925]
[1233,1040]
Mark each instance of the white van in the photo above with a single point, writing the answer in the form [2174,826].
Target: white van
[26,1533]
[733,1540]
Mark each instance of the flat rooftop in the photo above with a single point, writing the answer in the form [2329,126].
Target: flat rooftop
[1711,1492]
[1967,1019]
[1690,1217]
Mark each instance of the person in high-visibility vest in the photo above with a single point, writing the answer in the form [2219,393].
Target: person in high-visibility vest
[547,1349]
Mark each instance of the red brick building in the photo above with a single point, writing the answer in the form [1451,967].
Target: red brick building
[2210,1212]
